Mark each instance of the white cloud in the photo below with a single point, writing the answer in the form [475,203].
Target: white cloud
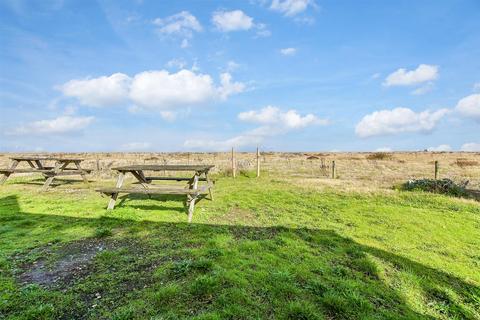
[228,87]
[398,120]
[290,119]
[440,148]
[97,92]
[470,106]
[181,24]
[163,90]
[383,149]
[288,51]
[262,30]
[185,44]
[290,7]
[402,77]
[136,146]
[232,66]
[63,124]
[176,63]
[273,122]
[471,146]
[158,89]
[476,86]
[235,20]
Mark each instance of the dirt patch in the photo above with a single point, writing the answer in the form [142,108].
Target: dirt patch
[63,265]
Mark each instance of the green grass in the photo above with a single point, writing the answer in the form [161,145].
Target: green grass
[263,249]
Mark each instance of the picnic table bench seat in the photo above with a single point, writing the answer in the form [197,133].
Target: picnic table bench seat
[47,170]
[156,190]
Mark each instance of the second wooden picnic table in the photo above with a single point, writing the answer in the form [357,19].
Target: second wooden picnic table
[192,189]
[37,164]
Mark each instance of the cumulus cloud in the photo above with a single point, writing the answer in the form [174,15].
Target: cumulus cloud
[273,122]
[383,149]
[471,146]
[470,106]
[398,120]
[97,92]
[63,124]
[290,7]
[158,89]
[181,24]
[235,20]
[228,87]
[403,77]
[288,51]
[440,148]
[290,119]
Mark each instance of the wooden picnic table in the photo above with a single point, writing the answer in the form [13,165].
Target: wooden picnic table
[192,189]
[37,165]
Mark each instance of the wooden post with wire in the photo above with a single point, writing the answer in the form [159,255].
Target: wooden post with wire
[234,167]
[436,170]
[334,170]
[258,162]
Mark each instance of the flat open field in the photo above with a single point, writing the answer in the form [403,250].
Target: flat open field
[292,244]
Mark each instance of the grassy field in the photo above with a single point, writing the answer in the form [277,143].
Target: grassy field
[265,248]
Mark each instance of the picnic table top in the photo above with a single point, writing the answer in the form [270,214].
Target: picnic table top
[172,167]
[33,158]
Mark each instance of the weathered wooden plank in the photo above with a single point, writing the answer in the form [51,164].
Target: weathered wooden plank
[33,158]
[5,175]
[159,191]
[174,178]
[153,167]
[114,196]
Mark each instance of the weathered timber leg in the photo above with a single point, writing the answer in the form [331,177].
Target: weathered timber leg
[113,199]
[209,186]
[59,166]
[192,199]
[40,166]
[191,207]
[79,167]
[5,176]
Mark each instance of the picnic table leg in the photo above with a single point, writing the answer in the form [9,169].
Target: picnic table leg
[84,177]
[114,196]
[209,186]
[59,166]
[191,207]
[5,176]
[192,199]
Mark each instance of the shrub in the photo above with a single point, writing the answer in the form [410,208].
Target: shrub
[379,156]
[443,186]
[465,163]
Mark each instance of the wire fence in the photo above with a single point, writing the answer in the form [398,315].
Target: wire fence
[384,169]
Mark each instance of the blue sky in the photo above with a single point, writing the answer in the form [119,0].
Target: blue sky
[288,75]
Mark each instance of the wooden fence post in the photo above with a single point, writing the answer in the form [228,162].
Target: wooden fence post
[258,163]
[436,170]
[334,171]
[234,169]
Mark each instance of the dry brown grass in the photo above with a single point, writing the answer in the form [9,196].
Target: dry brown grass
[355,170]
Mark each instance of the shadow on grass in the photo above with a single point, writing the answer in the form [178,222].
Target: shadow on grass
[220,271]
[40,182]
